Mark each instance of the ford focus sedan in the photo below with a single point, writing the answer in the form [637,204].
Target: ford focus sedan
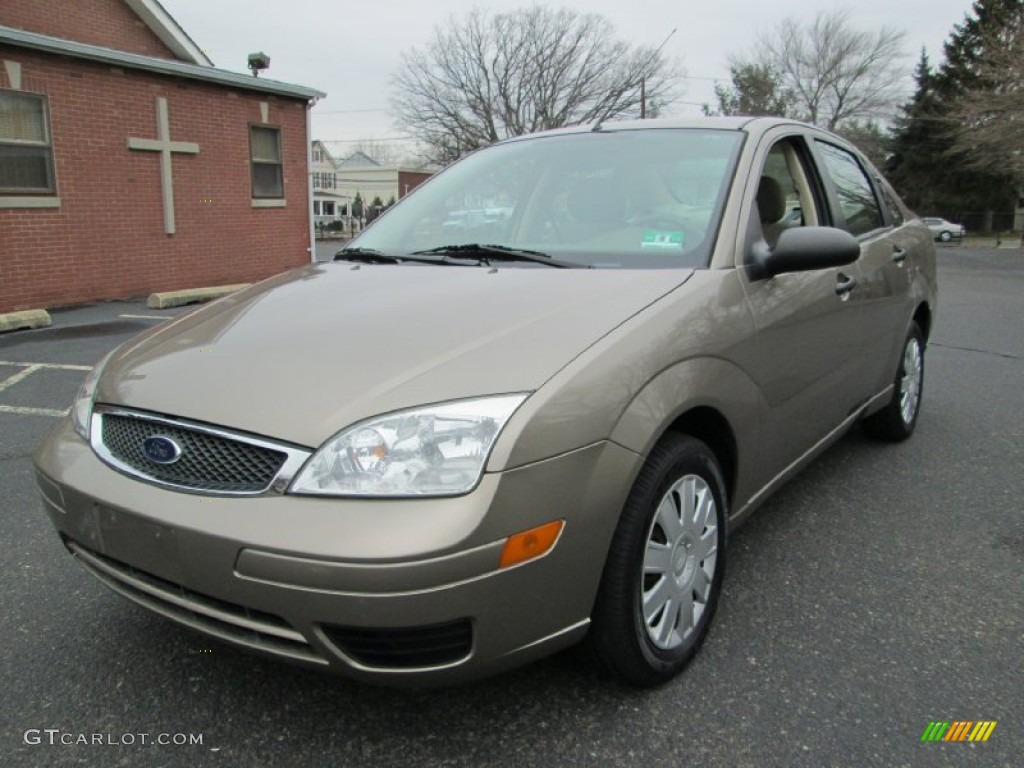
[456,449]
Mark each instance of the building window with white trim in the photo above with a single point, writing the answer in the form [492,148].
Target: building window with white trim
[26,151]
[267,169]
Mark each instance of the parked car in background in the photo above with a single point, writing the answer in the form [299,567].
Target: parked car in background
[457,449]
[943,230]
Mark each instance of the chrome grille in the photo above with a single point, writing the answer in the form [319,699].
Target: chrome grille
[228,621]
[209,462]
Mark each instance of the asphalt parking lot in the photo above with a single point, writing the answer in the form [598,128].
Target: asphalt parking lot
[879,591]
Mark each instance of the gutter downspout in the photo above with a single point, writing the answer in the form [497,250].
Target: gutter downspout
[309,178]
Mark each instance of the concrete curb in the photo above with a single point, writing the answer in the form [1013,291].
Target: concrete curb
[29,318]
[169,299]
[979,241]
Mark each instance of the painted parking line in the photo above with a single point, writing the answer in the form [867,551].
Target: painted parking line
[27,369]
[54,412]
[10,381]
[53,366]
[147,317]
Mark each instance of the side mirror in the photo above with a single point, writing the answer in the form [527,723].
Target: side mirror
[802,249]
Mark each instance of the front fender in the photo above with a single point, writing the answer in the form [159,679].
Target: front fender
[672,350]
[705,382]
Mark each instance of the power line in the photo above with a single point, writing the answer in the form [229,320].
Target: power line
[348,111]
[369,140]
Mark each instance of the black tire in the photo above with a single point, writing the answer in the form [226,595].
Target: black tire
[895,423]
[619,636]
[945,236]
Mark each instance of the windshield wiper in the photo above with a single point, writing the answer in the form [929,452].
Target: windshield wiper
[373,256]
[365,255]
[486,253]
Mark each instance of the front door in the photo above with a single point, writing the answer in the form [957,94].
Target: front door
[806,356]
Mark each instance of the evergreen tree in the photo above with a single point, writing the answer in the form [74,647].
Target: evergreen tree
[757,89]
[986,115]
[967,44]
[375,209]
[925,165]
[917,136]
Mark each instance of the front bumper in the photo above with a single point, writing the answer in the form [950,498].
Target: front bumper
[388,591]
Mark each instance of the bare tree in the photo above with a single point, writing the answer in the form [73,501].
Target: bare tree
[495,76]
[988,117]
[832,71]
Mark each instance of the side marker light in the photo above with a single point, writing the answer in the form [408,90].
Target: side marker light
[530,544]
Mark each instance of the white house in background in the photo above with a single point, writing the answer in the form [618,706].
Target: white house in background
[329,203]
[337,184]
[361,174]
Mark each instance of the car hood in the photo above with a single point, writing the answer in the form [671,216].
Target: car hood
[307,353]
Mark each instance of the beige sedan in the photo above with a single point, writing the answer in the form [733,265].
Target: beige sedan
[454,450]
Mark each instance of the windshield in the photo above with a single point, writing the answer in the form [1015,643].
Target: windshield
[615,199]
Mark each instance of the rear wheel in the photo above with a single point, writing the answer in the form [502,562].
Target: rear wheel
[664,571]
[897,420]
[945,236]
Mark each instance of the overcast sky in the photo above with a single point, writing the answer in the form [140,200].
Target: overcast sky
[351,49]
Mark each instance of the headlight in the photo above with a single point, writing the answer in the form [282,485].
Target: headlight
[81,409]
[438,450]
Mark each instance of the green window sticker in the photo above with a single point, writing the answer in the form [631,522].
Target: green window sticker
[656,238]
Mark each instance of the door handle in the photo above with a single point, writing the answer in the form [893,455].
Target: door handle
[844,285]
[899,255]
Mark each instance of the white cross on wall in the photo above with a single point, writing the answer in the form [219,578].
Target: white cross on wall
[165,147]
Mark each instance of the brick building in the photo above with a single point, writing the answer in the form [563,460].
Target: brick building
[129,164]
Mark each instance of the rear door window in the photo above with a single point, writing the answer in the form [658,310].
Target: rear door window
[857,198]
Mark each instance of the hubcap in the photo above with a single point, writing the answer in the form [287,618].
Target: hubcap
[910,384]
[679,562]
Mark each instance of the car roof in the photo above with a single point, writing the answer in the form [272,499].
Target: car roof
[747,124]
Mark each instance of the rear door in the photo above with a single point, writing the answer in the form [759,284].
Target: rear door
[884,284]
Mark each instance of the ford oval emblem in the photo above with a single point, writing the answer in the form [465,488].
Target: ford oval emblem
[161,450]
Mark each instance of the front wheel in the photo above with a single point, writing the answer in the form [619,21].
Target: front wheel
[897,420]
[946,236]
[665,567]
